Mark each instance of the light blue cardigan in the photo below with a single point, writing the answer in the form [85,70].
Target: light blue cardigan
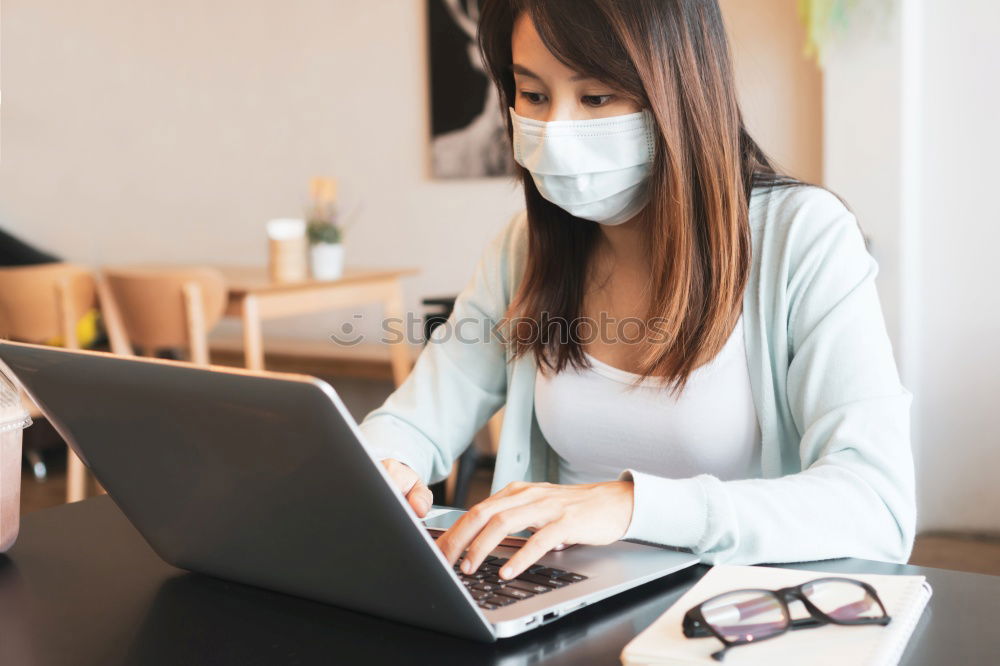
[837,466]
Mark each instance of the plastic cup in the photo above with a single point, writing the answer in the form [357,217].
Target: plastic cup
[13,419]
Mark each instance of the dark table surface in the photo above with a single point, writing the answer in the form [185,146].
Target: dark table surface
[82,587]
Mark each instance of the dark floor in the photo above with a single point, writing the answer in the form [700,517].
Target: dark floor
[964,552]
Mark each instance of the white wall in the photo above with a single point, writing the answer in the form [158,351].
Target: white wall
[960,377]
[910,142]
[141,130]
[864,114]
[170,131]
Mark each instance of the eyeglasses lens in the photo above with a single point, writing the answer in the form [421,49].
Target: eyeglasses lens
[842,600]
[746,616]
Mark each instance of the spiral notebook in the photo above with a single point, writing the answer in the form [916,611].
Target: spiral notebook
[904,598]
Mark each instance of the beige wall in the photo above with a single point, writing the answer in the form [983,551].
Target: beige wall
[146,130]
[781,92]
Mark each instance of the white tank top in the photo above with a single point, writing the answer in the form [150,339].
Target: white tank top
[600,426]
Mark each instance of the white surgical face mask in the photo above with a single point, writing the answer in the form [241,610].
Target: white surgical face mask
[594,169]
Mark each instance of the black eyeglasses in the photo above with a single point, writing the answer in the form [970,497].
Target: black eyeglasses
[748,616]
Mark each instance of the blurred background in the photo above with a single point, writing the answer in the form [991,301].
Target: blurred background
[154,136]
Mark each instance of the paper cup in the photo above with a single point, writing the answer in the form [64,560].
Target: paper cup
[288,250]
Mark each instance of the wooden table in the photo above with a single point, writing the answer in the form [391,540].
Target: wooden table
[254,298]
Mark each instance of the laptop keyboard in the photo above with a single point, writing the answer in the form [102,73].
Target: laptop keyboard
[492,592]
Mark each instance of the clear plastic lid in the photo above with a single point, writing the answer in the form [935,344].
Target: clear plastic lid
[13,415]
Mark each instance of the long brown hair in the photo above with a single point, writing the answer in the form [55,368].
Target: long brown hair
[672,57]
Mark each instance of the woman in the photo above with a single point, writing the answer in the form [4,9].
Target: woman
[689,346]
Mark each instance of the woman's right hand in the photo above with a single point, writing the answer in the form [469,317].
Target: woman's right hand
[406,480]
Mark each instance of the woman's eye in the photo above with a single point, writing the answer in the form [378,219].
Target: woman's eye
[533,98]
[596,100]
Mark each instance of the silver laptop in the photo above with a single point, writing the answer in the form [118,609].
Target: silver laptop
[263,478]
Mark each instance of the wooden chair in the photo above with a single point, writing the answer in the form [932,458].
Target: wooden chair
[155,308]
[40,303]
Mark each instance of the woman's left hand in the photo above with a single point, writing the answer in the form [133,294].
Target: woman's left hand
[592,513]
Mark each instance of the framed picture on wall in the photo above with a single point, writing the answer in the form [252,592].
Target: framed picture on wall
[468,136]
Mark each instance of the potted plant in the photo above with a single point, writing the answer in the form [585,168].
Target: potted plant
[326,248]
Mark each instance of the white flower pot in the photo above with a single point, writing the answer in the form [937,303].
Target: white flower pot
[327,260]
